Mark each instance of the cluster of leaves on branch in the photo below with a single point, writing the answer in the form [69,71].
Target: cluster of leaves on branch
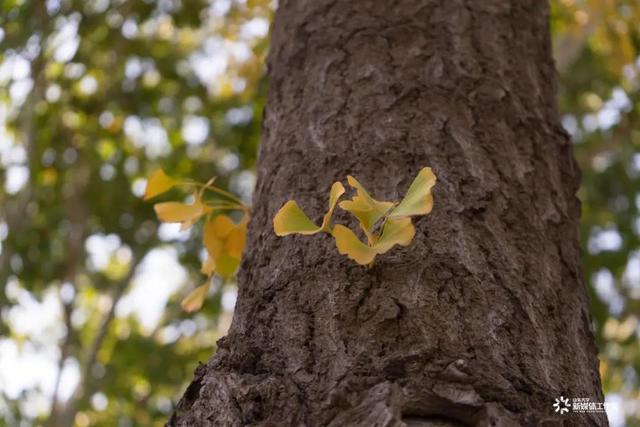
[385,224]
[94,96]
[223,238]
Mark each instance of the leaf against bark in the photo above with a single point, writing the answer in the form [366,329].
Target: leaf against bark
[290,219]
[418,200]
[395,232]
[365,208]
[195,299]
[159,182]
[337,190]
[348,244]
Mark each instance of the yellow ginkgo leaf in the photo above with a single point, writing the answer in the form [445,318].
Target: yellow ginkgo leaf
[348,244]
[195,299]
[222,226]
[365,208]
[215,233]
[290,219]
[212,242]
[398,231]
[180,212]
[337,190]
[158,183]
[418,200]
[378,206]
[208,266]
[224,241]
[236,241]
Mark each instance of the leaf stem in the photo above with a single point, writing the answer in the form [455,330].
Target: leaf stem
[228,207]
[226,194]
[214,189]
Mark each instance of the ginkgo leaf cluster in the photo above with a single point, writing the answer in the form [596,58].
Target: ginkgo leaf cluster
[384,224]
[223,239]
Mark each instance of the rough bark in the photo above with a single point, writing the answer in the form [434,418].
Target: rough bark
[483,320]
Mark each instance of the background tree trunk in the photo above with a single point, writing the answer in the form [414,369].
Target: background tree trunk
[483,319]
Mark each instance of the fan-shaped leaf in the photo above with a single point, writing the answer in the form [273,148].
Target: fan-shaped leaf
[395,232]
[291,219]
[225,242]
[222,225]
[236,241]
[158,183]
[365,208]
[337,190]
[226,265]
[348,244]
[418,200]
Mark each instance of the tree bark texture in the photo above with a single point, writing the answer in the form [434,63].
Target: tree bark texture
[483,320]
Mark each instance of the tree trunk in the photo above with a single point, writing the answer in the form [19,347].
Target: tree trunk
[483,320]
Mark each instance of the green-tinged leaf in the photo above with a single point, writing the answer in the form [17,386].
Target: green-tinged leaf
[380,207]
[418,200]
[348,244]
[158,183]
[291,219]
[337,190]
[226,265]
[365,208]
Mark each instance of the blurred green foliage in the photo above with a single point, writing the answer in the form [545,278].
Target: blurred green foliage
[597,48]
[95,94]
